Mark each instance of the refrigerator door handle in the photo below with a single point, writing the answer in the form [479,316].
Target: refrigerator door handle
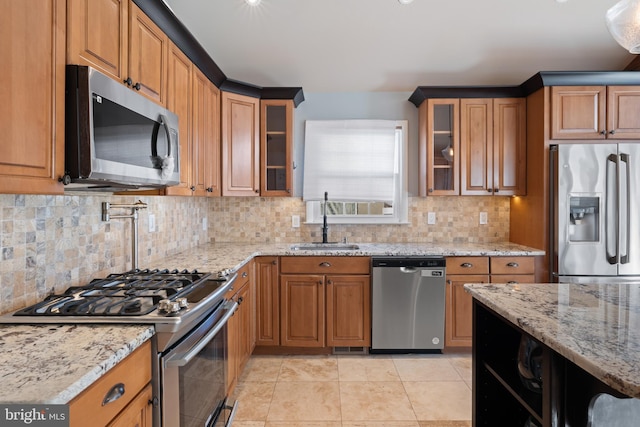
[624,258]
[609,205]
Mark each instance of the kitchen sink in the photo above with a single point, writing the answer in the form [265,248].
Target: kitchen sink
[325,247]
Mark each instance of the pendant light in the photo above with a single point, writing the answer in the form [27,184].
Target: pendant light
[623,22]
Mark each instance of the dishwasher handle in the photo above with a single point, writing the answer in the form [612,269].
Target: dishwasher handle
[409,270]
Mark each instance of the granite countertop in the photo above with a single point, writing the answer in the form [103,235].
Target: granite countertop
[51,364]
[597,326]
[225,257]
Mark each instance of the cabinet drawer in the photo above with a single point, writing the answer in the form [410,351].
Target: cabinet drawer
[513,278]
[325,265]
[133,373]
[512,265]
[467,265]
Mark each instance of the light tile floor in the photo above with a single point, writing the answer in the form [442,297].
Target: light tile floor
[355,391]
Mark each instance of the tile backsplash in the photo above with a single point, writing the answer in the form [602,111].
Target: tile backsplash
[48,243]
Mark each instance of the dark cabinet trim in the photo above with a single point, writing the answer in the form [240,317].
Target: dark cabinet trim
[534,83]
[182,37]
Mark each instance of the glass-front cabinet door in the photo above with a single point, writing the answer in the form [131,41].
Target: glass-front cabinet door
[276,146]
[442,147]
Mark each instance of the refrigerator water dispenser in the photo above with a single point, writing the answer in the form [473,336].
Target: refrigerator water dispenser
[584,219]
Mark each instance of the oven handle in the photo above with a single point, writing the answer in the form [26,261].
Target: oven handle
[184,358]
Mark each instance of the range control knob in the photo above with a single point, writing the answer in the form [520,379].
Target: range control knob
[168,306]
[182,302]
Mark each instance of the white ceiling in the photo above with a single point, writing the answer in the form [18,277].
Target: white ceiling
[381,45]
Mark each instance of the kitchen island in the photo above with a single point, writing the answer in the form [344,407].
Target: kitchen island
[589,343]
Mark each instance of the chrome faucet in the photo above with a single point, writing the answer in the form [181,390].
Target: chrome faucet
[325,227]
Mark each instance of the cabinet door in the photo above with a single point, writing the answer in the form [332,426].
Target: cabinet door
[276,147]
[623,120]
[267,301]
[138,413]
[179,83]
[509,146]
[148,50]
[199,132]
[240,145]
[578,112]
[302,310]
[348,311]
[459,313]
[97,35]
[244,326]
[212,140]
[32,92]
[439,147]
[476,146]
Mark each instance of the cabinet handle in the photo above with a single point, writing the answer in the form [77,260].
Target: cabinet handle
[324,264]
[244,274]
[329,282]
[115,393]
[449,281]
[496,190]
[192,188]
[257,191]
[431,190]
[209,190]
[512,282]
[603,132]
[319,282]
[611,132]
[513,264]
[466,265]
[240,299]
[274,262]
[137,86]
[128,81]
[489,190]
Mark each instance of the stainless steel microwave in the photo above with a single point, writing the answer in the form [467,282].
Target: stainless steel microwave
[116,139]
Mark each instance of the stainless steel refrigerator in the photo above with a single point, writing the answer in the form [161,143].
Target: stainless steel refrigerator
[595,212]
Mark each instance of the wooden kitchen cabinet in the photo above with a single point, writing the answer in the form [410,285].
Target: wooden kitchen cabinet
[33,85]
[240,145]
[118,39]
[439,147]
[134,404]
[267,327]
[315,288]
[239,326]
[477,269]
[595,112]
[493,146]
[473,146]
[276,147]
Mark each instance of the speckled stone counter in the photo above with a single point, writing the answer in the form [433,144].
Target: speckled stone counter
[597,327]
[54,363]
[222,257]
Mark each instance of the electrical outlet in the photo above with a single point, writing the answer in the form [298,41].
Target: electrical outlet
[295,221]
[431,218]
[483,218]
[152,223]
[204,223]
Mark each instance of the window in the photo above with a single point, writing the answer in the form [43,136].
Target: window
[361,164]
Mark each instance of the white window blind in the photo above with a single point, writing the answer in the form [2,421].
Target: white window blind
[350,159]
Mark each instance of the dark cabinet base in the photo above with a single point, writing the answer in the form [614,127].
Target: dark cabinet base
[499,394]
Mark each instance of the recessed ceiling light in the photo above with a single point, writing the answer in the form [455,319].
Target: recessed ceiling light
[252,2]
[404,1]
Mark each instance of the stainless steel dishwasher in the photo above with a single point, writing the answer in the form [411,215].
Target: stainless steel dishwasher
[407,304]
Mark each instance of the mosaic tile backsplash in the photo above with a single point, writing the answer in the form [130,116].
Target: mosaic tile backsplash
[48,243]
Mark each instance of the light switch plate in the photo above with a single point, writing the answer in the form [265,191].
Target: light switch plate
[483,218]
[152,223]
[204,223]
[431,218]
[295,221]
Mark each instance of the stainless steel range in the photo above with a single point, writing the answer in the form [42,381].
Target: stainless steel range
[189,313]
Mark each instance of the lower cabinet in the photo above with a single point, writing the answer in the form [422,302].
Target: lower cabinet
[325,301]
[128,386]
[267,302]
[477,269]
[240,341]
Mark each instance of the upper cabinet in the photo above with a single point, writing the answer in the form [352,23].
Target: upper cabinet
[493,146]
[117,38]
[206,136]
[473,146]
[595,112]
[276,147]
[32,87]
[240,145]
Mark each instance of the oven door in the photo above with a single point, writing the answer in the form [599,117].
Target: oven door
[193,373]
